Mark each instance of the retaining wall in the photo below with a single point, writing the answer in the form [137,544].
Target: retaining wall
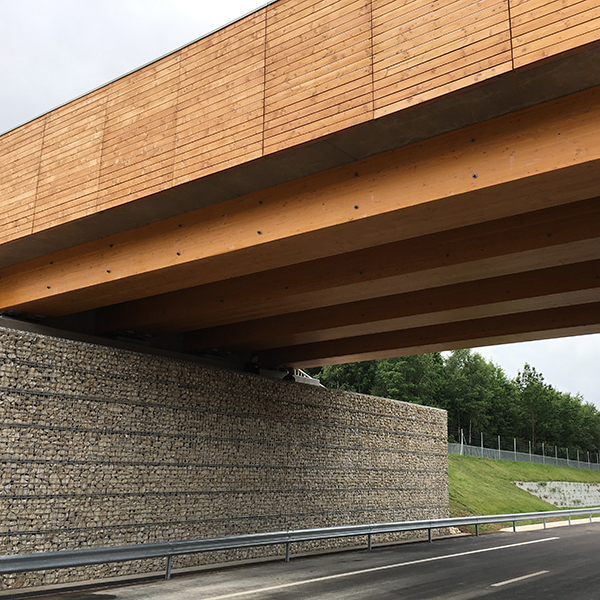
[101,446]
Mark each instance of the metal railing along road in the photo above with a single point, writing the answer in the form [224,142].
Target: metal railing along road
[92,556]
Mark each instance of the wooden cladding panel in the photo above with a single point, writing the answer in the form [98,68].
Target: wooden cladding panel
[292,72]
[423,49]
[299,219]
[139,136]
[70,162]
[20,152]
[544,28]
[220,116]
[318,70]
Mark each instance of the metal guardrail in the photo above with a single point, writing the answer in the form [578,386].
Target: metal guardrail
[91,556]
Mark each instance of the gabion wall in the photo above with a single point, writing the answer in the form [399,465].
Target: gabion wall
[101,446]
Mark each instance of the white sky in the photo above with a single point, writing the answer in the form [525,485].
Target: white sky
[52,51]
[569,364]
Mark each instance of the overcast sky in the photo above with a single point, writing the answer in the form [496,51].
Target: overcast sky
[52,51]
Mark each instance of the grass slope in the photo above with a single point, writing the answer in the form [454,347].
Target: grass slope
[480,486]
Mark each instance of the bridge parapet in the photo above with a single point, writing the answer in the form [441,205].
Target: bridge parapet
[322,183]
[288,74]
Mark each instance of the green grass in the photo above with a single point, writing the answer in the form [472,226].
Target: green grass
[480,486]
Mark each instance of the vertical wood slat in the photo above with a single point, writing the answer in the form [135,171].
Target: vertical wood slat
[289,73]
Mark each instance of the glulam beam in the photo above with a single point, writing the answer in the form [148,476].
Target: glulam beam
[547,155]
[541,288]
[524,326]
[541,239]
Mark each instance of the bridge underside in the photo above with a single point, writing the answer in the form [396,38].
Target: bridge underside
[469,232]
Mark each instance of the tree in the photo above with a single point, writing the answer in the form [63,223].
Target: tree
[416,379]
[468,391]
[537,404]
[477,396]
[352,377]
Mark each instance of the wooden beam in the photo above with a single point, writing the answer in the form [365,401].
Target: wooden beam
[553,322]
[544,156]
[542,288]
[515,244]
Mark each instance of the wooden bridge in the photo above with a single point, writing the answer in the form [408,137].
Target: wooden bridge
[323,182]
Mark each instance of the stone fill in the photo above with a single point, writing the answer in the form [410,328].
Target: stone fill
[564,494]
[101,446]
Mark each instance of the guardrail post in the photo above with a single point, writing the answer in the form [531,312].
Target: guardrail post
[569,519]
[544,520]
[287,552]
[430,535]
[169,563]
[590,517]
[514,527]
[477,529]
[369,542]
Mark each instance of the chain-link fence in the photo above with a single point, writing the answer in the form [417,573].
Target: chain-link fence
[514,454]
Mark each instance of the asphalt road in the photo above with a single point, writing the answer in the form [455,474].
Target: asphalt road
[560,563]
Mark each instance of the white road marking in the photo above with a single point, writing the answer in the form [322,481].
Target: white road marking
[519,578]
[374,569]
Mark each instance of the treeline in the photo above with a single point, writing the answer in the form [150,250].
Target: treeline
[478,396]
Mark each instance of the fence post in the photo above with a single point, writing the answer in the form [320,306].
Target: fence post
[556,456]
[529,450]
[577,456]
[482,444]
[515,440]
[498,446]
[462,438]
[567,457]
[543,458]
